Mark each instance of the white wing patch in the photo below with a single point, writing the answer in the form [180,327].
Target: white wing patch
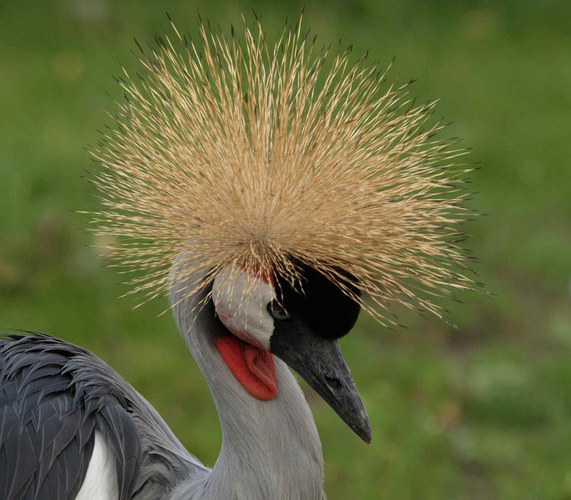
[101,479]
[241,304]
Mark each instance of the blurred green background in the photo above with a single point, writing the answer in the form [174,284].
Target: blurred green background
[479,412]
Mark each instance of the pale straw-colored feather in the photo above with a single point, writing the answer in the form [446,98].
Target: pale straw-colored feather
[236,152]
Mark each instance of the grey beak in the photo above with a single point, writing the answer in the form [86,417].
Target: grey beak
[320,363]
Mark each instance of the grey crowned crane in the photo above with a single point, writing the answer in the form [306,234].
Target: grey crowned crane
[272,192]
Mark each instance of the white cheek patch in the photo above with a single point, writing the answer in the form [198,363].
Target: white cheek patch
[241,303]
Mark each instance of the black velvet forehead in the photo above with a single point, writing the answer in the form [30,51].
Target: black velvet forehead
[322,306]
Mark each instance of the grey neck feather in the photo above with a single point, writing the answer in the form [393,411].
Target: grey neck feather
[270,449]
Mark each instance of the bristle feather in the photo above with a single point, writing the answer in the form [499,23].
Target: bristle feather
[252,155]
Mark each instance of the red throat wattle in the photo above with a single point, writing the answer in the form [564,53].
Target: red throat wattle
[254,368]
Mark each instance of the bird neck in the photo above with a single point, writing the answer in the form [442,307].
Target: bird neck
[267,446]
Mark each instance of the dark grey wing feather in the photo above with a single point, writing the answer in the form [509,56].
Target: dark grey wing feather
[123,438]
[36,437]
[47,422]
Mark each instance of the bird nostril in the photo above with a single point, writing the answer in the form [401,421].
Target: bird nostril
[333,382]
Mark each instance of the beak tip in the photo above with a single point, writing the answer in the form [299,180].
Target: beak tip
[361,426]
[365,433]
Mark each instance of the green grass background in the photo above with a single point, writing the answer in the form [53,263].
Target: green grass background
[479,412]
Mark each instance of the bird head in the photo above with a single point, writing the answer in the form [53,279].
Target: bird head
[298,184]
[266,315]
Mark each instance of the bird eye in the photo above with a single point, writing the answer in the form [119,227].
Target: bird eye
[277,311]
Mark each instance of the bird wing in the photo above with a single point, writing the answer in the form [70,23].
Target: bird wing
[47,427]
[53,397]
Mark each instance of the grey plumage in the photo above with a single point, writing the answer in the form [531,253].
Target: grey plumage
[53,396]
[270,449]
